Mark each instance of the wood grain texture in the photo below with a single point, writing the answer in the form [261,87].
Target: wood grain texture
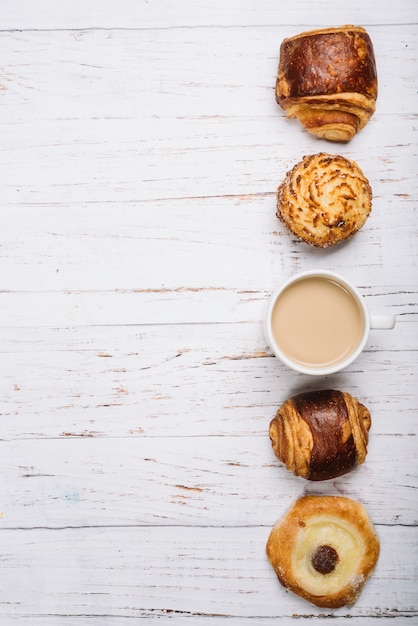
[113,179]
[162,14]
[182,380]
[171,575]
[184,481]
[141,152]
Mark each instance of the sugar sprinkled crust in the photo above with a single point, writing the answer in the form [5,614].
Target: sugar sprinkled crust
[324,549]
[324,199]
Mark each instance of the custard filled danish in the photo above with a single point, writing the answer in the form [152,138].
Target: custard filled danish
[324,549]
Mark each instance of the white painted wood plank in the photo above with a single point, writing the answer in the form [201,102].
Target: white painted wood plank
[162,127]
[182,618]
[198,481]
[169,306]
[191,380]
[175,575]
[119,76]
[51,244]
[235,242]
[73,266]
[141,149]
[163,14]
[170,617]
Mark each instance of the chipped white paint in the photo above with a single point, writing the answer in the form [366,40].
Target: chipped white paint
[141,149]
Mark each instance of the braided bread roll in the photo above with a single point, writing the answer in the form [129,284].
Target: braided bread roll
[321,434]
[324,550]
[324,199]
[327,79]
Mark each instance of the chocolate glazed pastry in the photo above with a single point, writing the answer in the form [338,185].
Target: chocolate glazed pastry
[327,79]
[321,434]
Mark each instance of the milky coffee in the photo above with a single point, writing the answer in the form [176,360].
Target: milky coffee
[317,322]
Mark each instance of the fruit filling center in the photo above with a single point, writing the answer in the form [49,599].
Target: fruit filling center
[324,559]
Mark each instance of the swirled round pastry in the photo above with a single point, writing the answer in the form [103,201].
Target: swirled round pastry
[327,79]
[321,434]
[324,199]
[324,549]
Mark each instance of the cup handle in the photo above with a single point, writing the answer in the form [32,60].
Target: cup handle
[382,322]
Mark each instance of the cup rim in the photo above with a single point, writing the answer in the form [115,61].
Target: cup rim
[304,369]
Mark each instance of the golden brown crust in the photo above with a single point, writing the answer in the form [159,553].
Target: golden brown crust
[328,80]
[339,530]
[320,435]
[324,199]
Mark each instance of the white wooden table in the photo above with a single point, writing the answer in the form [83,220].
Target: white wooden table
[141,147]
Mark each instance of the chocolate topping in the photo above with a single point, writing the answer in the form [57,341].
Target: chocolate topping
[328,63]
[325,412]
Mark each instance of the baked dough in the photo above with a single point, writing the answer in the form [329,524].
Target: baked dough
[327,79]
[324,199]
[321,434]
[324,549]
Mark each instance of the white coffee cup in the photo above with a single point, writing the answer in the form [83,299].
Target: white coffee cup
[317,322]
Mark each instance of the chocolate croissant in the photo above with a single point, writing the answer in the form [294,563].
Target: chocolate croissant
[324,549]
[327,79]
[321,434]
